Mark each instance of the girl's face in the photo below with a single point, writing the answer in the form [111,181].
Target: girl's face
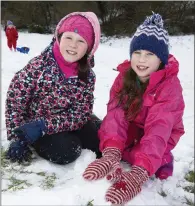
[72,46]
[144,63]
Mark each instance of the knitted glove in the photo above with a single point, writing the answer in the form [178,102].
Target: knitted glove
[19,151]
[109,162]
[31,131]
[128,186]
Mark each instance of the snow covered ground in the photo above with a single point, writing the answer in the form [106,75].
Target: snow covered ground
[44,183]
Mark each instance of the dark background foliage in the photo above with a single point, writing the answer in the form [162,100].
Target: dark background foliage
[119,18]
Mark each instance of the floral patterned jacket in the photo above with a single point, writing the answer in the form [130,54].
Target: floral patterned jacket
[41,91]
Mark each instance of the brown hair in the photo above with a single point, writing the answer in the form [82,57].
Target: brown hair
[83,70]
[130,97]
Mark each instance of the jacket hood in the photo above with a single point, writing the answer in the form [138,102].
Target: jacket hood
[95,25]
[171,69]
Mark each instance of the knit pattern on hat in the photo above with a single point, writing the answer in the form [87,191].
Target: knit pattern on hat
[152,36]
[153,26]
[80,25]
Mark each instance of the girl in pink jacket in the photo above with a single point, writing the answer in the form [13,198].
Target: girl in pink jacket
[144,116]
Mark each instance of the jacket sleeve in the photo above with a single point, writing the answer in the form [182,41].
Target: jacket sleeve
[113,130]
[76,116]
[161,120]
[19,94]
[7,32]
[15,33]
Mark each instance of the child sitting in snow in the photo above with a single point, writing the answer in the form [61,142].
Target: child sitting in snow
[144,117]
[50,101]
[12,35]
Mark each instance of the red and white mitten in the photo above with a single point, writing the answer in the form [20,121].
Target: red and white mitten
[128,186]
[109,162]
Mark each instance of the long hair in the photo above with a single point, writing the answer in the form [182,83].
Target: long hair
[130,97]
[83,68]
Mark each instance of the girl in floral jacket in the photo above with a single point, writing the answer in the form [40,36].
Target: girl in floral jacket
[50,101]
[144,117]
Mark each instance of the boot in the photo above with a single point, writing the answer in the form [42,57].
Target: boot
[165,171]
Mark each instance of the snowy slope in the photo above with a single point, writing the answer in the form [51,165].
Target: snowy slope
[45,183]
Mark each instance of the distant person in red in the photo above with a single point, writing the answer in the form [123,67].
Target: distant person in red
[12,35]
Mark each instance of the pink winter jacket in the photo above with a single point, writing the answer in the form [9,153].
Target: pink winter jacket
[157,128]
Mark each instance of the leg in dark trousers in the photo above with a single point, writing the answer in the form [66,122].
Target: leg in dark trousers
[88,135]
[60,148]
[65,147]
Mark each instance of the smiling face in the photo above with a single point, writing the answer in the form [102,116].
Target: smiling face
[72,46]
[144,63]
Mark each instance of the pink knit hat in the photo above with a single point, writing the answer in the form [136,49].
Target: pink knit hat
[81,26]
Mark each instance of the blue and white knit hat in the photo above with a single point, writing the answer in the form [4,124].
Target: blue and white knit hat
[152,36]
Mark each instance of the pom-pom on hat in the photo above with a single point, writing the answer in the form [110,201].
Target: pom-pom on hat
[152,36]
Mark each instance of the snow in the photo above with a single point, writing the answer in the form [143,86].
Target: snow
[69,187]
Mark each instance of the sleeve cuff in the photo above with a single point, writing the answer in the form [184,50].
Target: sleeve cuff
[145,164]
[112,143]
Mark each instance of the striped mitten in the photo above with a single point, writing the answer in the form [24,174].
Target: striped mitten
[108,163]
[128,186]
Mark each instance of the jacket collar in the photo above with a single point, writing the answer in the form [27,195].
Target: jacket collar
[171,69]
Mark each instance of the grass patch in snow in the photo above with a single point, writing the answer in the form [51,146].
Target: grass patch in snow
[16,184]
[190,176]
[189,188]
[4,161]
[90,203]
[162,193]
[10,171]
[49,181]
[189,201]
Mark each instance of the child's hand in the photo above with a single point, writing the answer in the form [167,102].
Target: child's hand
[19,151]
[109,163]
[31,131]
[128,186]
